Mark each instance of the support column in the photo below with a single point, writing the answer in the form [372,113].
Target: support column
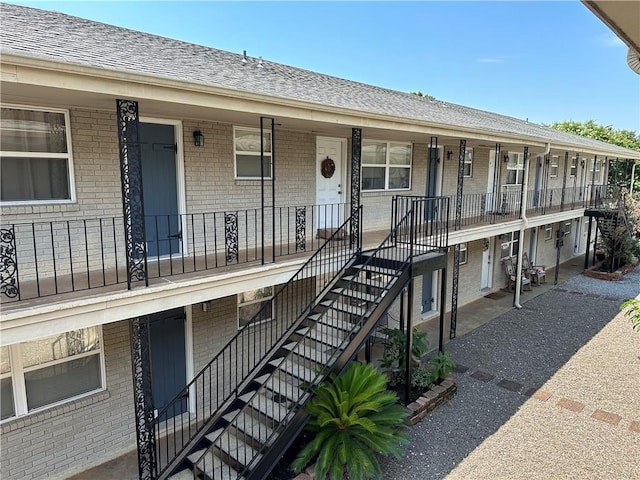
[443,307]
[356,161]
[586,254]
[132,199]
[456,251]
[142,397]
[593,181]
[273,186]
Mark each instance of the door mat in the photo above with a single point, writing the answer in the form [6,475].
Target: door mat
[497,295]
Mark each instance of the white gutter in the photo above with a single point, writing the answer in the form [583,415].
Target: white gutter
[523,227]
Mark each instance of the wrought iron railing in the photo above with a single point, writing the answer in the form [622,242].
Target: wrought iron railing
[175,429]
[549,200]
[411,234]
[60,256]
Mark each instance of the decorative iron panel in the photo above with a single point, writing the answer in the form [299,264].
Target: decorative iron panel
[456,254]
[143,396]
[9,284]
[132,200]
[301,228]
[231,237]
[564,179]
[356,161]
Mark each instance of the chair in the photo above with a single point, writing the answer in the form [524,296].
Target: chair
[538,273]
[510,273]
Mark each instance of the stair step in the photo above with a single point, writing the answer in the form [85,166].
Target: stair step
[325,334]
[282,384]
[344,307]
[308,352]
[236,448]
[212,465]
[369,282]
[365,297]
[331,318]
[183,475]
[375,269]
[265,405]
[295,370]
[250,425]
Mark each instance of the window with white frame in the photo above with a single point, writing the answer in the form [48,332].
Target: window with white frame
[595,164]
[567,228]
[50,370]
[468,163]
[509,244]
[515,168]
[548,232]
[247,152]
[463,253]
[386,165]
[553,171]
[35,149]
[254,302]
[573,167]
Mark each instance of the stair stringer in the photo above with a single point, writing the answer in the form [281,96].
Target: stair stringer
[288,434]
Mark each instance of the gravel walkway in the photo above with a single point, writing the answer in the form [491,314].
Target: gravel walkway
[549,391]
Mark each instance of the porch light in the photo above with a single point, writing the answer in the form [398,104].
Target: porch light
[198,138]
[505,158]
[449,154]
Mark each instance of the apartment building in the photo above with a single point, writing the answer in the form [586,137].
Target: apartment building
[190,237]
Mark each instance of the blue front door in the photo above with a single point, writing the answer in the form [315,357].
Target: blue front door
[160,190]
[168,359]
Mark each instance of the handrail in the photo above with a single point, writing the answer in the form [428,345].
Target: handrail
[219,380]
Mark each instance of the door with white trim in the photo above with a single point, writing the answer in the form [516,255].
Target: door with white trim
[330,182]
[486,277]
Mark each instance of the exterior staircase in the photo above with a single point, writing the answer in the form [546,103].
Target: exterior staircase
[609,221]
[244,430]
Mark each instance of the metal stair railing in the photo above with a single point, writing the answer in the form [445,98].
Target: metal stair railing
[355,328]
[218,382]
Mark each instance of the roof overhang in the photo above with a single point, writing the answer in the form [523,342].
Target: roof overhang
[623,18]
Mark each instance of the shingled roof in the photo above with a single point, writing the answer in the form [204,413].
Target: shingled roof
[58,37]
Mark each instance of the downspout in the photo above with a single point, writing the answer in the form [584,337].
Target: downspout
[524,224]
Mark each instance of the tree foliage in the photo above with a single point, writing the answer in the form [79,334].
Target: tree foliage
[426,96]
[620,171]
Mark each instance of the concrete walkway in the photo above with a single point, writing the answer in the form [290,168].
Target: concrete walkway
[549,391]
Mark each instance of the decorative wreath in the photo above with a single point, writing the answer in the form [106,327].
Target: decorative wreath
[327,168]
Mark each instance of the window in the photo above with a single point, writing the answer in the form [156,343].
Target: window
[515,168]
[52,370]
[468,162]
[252,302]
[573,167]
[35,150]
[386,166]
[510,244]
[595,164]
[553,171]
[463,253]
[548,232]
[246,148]
[567,228]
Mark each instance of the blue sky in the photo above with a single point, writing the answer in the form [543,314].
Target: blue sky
[542,61]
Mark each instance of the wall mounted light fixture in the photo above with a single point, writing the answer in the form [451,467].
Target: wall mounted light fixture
[449,154]
[505,158]
[198,138]
[582,162]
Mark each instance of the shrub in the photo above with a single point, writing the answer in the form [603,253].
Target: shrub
[354,417]
[443,365]
[395,347]
[631,308]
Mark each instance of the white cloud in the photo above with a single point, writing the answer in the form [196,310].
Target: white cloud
[490,60]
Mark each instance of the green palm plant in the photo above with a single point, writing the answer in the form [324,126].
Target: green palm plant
[354,417]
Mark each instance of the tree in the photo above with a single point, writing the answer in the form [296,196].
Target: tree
[620,171]
[426,96]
